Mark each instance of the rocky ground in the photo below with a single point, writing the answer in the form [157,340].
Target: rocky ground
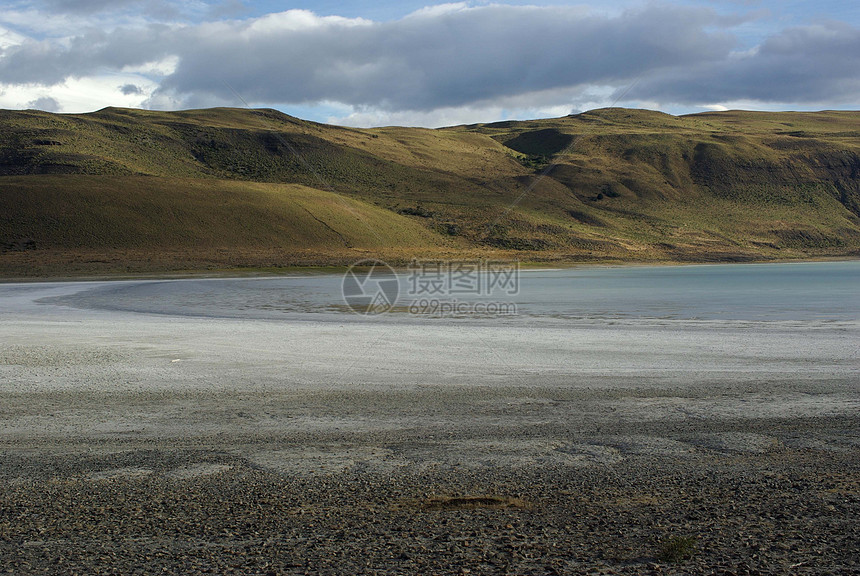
[163,509]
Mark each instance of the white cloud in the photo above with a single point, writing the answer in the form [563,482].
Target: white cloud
[9,38]
[158,68]
[439,10]
[550,103]
[79,95]
[293,20]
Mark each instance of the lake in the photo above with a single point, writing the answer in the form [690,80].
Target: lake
[785,292]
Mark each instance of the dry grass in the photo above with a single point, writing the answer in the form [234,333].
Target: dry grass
[443,503]
[223,185]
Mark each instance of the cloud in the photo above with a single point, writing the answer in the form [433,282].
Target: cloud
[541,104]
[50,62]
[810,64]
[164,9]
[9,38]
[76,95]
[438,58]
[455,61]
[85,6]
[433,58]
[45,103]
[129,89]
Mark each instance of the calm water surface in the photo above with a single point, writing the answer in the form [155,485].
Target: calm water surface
[802,292]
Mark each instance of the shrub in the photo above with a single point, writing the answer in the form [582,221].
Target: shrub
[677,549]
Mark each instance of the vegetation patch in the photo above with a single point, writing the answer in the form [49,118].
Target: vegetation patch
[545,142]
[677,549]
[470,502]
[535,162]
[419,211]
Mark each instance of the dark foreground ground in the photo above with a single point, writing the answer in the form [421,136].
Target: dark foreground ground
[162,510]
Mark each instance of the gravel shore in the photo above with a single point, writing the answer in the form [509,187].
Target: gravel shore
[138,444]
[162,510]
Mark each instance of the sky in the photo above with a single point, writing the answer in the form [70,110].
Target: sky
[414,63]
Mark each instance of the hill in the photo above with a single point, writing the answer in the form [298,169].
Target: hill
[133,190]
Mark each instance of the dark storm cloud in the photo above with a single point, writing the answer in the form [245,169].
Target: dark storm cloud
[453,57]
[443,59]
[49,62]
[819,63]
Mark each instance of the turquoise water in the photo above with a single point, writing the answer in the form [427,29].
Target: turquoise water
[814,291]
[801,291]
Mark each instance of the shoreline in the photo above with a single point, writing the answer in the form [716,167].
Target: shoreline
[290,271]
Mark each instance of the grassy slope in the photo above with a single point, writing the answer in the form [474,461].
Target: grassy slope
[143,190]
[734,185]
[196,223]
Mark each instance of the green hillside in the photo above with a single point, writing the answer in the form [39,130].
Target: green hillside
[132,190]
